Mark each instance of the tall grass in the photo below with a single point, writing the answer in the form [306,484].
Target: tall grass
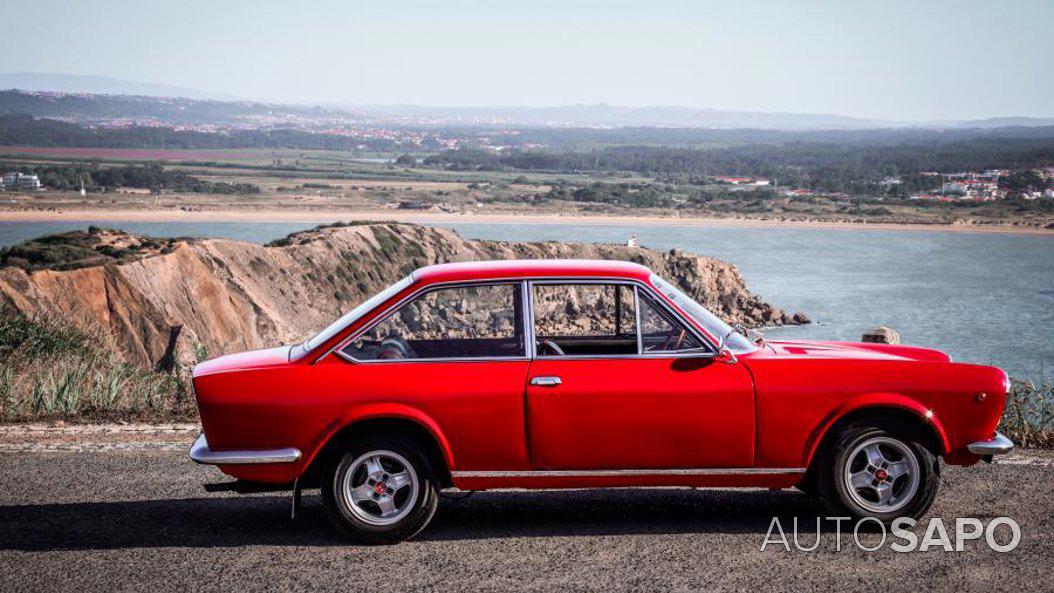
[1029,416]
[50,369]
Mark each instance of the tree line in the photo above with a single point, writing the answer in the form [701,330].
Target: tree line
[151,176]
[25,130]
[852,169]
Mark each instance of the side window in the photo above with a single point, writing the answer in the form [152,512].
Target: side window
[661,332]
[584,319]
[479,321]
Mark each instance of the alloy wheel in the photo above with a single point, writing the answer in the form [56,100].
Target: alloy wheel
[380,488]
[882,475]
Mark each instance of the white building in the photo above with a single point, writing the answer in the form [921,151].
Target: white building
[30,182]
[10,180]
[14,181]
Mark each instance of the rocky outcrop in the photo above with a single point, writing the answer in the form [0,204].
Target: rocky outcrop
[881,335]
[230,295]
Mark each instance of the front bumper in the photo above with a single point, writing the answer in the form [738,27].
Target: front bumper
[201,453]
[997,445]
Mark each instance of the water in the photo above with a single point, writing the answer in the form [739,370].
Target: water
[981,297]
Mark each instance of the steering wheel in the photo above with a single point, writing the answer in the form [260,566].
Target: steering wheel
[551,345]
[671,343]
[394,347]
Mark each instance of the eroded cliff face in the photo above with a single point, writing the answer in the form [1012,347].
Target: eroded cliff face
[230,295]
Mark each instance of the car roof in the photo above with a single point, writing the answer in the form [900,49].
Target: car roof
[531,268]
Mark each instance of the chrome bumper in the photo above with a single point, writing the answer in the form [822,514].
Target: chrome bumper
[997,445]
[201,453]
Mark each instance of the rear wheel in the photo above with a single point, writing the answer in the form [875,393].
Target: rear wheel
[878,472]
[380,491]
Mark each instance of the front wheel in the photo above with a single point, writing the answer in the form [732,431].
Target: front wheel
[880,473]
[380,491]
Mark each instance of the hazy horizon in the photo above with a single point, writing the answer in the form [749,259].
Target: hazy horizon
[899,61]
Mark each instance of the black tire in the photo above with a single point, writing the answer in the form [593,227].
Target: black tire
[350,522]
[902,446]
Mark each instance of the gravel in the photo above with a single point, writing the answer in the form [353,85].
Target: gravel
[138,519]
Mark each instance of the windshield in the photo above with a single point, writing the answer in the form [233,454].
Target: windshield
[353,315]
[735,342]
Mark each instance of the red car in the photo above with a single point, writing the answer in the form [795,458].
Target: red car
[571,374]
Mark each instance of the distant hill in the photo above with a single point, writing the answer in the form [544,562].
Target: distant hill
[166,110]
[102,85]
[1007,122]
[602,114]
[101,99]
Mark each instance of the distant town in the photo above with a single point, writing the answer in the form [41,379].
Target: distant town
[58,150]
[983,186]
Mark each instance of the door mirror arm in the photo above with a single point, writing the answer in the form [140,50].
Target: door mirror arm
[723,352]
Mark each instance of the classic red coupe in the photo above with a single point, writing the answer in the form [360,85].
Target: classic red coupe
[571,374]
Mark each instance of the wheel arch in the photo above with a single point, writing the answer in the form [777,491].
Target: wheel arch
[880,406]
[387,419]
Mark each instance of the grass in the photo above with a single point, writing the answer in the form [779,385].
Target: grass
[51,370]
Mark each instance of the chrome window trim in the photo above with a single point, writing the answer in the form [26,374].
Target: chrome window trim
[636,315]
[637,286]
[529,320]
[659,302]
[615,473]
[339,349]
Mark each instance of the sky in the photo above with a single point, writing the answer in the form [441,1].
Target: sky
[893,59]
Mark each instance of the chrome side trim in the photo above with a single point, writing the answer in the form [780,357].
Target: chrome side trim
[200,453]
[997,445]
[614,473]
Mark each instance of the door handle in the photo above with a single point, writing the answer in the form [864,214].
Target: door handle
[546,381]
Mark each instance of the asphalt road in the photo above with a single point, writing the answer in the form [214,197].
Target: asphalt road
[140,520]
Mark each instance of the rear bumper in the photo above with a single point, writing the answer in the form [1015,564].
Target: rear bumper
[997,445]
[200,453]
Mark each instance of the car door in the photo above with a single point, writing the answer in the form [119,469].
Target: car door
[593,402]
[455,356]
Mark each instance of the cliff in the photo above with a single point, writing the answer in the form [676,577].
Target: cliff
[230,295]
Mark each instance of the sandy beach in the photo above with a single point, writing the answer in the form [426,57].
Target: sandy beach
[434,217]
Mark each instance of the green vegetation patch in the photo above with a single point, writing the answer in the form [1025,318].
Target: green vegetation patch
[153,176]
[81,249]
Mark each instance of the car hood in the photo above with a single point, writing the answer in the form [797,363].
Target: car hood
[857,350]
[252,359]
